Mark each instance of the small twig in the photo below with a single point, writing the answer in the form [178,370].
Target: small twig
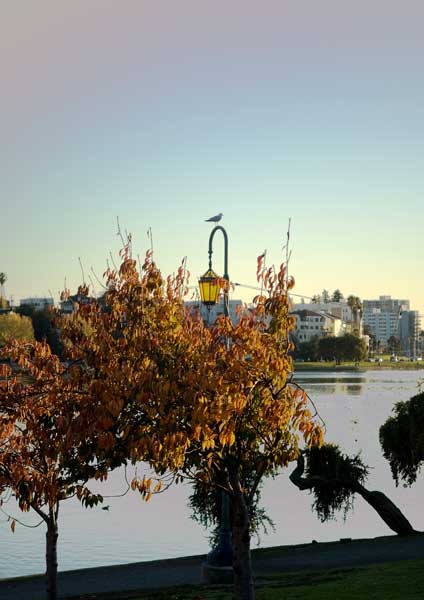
[92,285]
[288,251]
[98,280]
[113,261]
[119,232]
[299,387]
[150,236]
[82,270]
[10,518]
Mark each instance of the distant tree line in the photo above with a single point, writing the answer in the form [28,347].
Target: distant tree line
[325,297]
[347,347]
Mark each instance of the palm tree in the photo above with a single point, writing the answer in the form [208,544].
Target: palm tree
[3,279]
[356,307]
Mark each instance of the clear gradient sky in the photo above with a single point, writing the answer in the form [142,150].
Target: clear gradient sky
[165,113]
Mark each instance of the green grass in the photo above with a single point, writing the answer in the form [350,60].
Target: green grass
[362,366]
[389,581]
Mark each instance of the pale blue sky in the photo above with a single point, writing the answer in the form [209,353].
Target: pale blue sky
[166,113]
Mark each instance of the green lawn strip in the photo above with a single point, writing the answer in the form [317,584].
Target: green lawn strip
[388,581]
[363,366]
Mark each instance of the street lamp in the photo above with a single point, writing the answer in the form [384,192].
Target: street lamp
[209,288]
[222,554]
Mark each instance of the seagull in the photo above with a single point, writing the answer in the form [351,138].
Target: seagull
[215,219]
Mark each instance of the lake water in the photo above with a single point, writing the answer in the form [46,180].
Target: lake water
[353,406]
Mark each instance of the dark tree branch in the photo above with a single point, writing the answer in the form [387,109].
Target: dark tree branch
[386,509]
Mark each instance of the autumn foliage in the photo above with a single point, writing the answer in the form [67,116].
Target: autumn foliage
[163,383]
[46,450]
[205,403]
[146,380]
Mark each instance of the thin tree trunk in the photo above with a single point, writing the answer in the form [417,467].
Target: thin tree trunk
[386,509]
[242,564]
[51,553]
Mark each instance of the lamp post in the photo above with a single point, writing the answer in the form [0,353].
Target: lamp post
[222,554]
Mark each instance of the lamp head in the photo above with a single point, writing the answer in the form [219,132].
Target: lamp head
[209,288]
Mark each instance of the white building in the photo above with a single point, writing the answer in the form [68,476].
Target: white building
[338,309]
[313,323]
[210,315]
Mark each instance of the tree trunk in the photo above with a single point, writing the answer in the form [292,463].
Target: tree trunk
[386,509]
[51,553]
[242,564]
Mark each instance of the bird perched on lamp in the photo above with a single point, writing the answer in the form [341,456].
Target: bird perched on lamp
[215,219]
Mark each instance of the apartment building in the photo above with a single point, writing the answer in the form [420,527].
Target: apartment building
[342,310]
[313,323]
[391,317]
[382,325]
[386,304]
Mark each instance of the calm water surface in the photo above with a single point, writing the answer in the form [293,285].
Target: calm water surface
[353,406]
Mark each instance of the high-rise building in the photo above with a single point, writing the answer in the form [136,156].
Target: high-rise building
[386,304]
[409,331]
[390,317]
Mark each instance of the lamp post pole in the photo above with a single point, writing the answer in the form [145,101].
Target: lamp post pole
[222,554]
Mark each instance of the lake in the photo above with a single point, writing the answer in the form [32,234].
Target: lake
[353,405]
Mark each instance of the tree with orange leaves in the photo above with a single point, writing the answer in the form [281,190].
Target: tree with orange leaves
[46,440]
[204,403]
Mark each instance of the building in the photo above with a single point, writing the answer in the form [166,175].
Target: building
[209,315]
[313,323]
[382,318]
[67,306]
[342,310]
[386,304]
[37,303]
[421,344]
[409,333]
[382,326]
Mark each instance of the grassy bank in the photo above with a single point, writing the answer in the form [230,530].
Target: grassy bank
[362,366]
[388,581]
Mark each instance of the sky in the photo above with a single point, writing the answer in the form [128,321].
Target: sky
[165,113]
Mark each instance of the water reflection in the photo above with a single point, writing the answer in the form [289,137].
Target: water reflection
[325,384]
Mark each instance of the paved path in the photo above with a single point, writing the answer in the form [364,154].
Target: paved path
[180,571]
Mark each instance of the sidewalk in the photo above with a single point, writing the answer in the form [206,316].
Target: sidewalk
[181,571]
